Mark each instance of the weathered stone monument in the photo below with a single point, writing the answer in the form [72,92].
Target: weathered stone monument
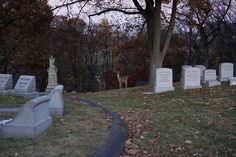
[202,68]
[6,82]
[56,103]
[52,75]
[31,120]
[164,80]
[209,78]
[25,86]
[226,71]
[232,81]
[191,78]
[183,67]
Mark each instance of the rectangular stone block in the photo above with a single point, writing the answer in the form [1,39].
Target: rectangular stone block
[226,71]
[164,80]
[191,78]
[6,82]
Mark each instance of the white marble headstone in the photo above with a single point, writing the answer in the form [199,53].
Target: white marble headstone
[202,68]
[6,82]
[209,78]
[164,80]
[191,78]
[25,84]
[226,71]
[232,81]
[182,70]
[209,74]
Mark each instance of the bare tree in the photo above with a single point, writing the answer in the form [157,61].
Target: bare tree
[151,11]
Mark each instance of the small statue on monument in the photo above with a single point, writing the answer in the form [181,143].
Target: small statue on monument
[52,74]
[52,68]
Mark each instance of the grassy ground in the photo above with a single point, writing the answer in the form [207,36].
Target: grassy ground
[77,133]
[200,122]
[9,101]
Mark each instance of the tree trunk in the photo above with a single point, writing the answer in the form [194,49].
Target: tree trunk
[204,47]
[154,42]
[157,54]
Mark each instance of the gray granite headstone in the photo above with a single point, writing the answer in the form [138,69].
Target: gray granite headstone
[6,82]
[56,103]
[25,84]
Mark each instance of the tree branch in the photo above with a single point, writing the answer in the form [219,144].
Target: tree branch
[170,28]
[140,9]
[64,5]
[115,9]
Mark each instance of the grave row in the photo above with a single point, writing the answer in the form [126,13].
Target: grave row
[194,77]
[25,86]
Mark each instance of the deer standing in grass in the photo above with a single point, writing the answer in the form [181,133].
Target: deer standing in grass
[101,83]
[122,79]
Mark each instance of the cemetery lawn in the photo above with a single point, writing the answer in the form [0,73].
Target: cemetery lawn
[200,122]
[10,101]
[77,133]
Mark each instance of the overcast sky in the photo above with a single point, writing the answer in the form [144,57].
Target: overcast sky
[64,10]
[112,17]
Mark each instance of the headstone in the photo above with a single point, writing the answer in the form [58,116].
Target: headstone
[191,78]
[164,80]
[25,87]
[183,67]
[235,69]
[25,84]
[52,75]
[31,121]
[209,78]
[209,74]
[232,81]
[56,103]
[202,68]
[6,82]
[226,71]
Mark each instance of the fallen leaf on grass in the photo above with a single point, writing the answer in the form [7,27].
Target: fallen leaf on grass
[188,142]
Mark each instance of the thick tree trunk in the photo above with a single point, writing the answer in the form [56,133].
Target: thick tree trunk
[154,42]
[204,47]
[157,54]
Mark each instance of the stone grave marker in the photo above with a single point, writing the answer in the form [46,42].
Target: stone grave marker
[232,81]
[6,82]
[202,68]
[25,84]
[183,67]
[209,78]
[226,71]
[191,78]
[164,80]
